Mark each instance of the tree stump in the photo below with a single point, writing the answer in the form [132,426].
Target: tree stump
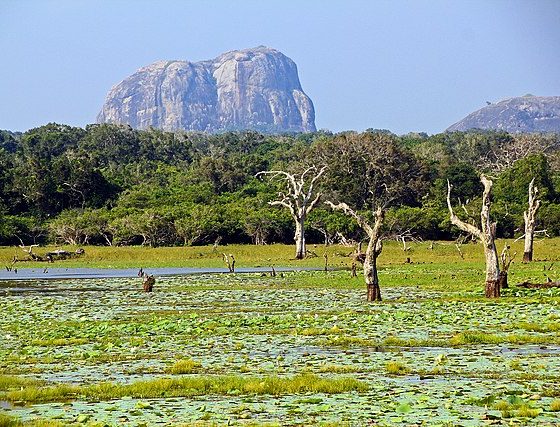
[149,282]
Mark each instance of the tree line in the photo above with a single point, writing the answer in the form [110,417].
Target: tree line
[112,185]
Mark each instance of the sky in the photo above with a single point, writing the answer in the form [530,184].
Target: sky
[405,66]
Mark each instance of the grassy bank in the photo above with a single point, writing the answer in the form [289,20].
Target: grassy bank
[547,250]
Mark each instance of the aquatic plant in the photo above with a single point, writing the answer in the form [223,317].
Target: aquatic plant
[184,366]
[396,368]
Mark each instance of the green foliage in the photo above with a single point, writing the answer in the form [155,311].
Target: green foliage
[428,222]
[111,184]
[371,168]
[513,184]
[549,219]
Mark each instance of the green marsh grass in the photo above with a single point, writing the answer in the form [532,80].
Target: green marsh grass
[396,368]
[189,386]
[555,405]
[9,421]
[60,342]
[515,364]
[444,253]
[481,337]
[516,407]
[184,366]
[465,338]
[11,382]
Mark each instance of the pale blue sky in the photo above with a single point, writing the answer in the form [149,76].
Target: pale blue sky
[397,65]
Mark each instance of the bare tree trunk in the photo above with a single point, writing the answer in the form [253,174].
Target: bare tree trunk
[492,270]
[529,217]
[109,241]
[373,250]
[528,248]
[503,280]
[486,235]
[370,271]
[299,238]
[505,262]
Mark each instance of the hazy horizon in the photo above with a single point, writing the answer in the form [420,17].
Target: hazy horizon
[403,66]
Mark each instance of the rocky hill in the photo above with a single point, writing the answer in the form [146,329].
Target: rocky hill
[527,113]
[255,88]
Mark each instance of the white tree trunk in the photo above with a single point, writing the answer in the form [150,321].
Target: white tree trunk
[299,237]
[486,235]
[529,217]
[492,289]
[529,238]
[488,240]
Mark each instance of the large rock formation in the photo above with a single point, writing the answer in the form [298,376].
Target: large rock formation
[243,89]
[527,113]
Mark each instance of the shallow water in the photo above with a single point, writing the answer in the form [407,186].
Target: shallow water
[87,330]
[95,273]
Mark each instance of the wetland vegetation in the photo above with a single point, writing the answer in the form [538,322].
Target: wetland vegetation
[299,348]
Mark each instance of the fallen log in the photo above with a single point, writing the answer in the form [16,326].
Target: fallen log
[528,285]
[57,255]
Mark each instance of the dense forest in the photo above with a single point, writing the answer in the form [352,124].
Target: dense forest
[112,185]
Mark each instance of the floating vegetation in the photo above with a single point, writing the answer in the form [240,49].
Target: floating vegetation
[303,348]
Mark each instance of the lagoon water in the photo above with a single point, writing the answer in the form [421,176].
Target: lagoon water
[98,273]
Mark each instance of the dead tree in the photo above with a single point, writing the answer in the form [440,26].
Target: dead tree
[300,200]
[486,234]
[507,151]
[373,250]
[229,263]
[505,262]
[529,216]
[32,256]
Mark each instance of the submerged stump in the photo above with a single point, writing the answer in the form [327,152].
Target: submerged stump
[149,282]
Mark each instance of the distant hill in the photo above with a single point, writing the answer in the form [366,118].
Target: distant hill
[527,113]
[256,89]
